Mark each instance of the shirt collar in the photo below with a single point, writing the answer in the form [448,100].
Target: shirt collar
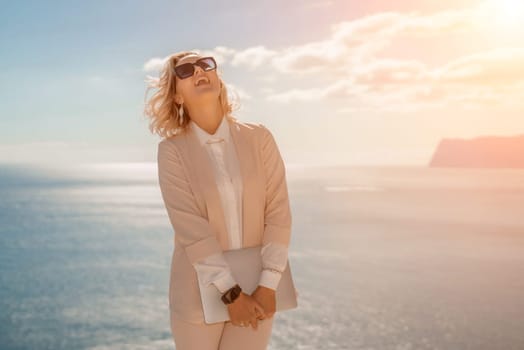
[203,136]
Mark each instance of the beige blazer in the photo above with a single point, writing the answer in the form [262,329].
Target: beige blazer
[195,211]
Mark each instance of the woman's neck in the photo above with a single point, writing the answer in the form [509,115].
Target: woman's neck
[207,116]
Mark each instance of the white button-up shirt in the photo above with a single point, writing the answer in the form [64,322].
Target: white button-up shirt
[215,269]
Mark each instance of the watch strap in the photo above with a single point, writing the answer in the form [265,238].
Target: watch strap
[231,294]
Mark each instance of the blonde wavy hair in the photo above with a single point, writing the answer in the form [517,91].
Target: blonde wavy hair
[161,108]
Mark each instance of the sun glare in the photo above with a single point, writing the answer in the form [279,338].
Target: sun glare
[505,14]
[512,11]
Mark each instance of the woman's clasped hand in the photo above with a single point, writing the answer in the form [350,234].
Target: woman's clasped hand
[247,309]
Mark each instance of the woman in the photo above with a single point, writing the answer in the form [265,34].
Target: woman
[224,187]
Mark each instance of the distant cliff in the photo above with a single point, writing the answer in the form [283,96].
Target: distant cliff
[480,152]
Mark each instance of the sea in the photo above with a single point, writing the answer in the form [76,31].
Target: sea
[383,258]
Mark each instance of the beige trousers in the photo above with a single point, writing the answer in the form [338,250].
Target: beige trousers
[220,336]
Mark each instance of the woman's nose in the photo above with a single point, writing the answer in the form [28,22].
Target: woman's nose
[197,68]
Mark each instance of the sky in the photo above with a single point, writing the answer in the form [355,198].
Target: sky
[337,82]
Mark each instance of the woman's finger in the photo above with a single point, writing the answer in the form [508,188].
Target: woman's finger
[254,323]
[260,315]
[259,309]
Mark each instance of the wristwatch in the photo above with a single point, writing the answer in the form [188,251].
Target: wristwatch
[231,294]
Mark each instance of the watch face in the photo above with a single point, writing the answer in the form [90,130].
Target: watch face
[226,298]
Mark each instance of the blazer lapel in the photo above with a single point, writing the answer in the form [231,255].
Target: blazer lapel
[203,171]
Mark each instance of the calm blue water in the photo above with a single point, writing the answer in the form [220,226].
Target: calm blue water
[383,258]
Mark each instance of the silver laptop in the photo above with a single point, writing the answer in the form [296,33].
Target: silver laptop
[246,266]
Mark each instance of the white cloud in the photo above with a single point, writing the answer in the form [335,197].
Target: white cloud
[500,66]
[353,65]
[252,57]
[154,64]
[382,72]
[313,94]
[241,93]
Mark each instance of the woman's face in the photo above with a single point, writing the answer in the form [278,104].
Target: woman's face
[207,91]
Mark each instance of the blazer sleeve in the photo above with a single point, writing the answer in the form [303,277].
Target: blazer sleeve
[193,230]
[215,270]
[277,212]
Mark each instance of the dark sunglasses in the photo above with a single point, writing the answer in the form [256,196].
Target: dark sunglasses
[187,70]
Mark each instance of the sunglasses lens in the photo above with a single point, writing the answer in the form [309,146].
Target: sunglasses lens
[187,69]
[184,70]
[207,63]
